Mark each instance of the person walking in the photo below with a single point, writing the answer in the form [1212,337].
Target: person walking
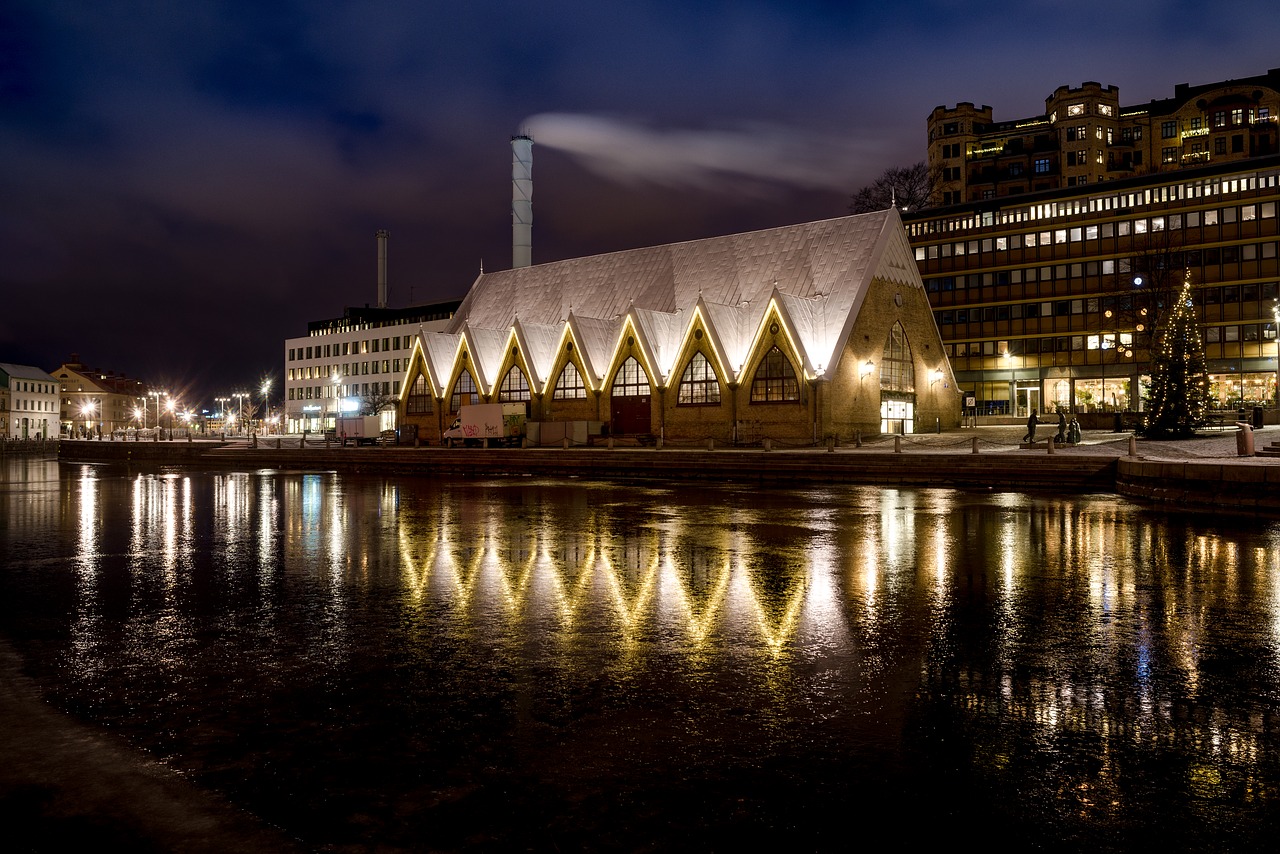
[1032,421]
[1061,438]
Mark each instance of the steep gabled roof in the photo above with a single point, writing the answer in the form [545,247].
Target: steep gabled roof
[819,272]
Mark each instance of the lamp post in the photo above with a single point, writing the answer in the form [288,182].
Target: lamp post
[222,410]
[1275,316]
[266,403]
[157,395]
[337,379]
[1013,383]
[240,396]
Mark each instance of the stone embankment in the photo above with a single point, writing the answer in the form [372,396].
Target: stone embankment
[1200,474]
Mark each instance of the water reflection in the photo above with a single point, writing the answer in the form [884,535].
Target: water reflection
[1049,652]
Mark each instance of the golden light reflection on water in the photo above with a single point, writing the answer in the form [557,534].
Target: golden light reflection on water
[1095,621]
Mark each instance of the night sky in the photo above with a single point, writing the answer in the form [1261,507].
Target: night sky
[183,185]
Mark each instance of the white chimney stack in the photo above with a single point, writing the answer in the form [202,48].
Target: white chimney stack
[382,267]
[521,201]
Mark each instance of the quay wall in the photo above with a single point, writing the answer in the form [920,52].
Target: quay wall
[914,468]
[1201,484]
[1223,486]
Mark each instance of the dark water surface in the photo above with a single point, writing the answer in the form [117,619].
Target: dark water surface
[395,662]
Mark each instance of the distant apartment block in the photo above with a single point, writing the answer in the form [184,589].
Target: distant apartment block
[354,362]
[1086,136]
[28,403]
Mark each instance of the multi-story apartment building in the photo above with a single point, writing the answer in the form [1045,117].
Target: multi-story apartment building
[1086,136]
[1050,299]
[28,403]
[94,401]
[353,363]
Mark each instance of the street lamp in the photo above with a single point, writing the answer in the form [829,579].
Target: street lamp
[86,412]
[1013,384]
[222,410]
[1275,316]
[266,402]
[240,396]
[157,395]
[337,378]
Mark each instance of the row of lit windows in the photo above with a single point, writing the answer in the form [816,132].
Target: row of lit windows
[1120,341]
[31,387]
[328,392]
[28,405]
[1101,203]
[349,369]
[1066,278]
[1103,230]
[1262,297]
[351,348]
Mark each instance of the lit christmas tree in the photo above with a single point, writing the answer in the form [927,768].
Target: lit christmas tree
[1179,391]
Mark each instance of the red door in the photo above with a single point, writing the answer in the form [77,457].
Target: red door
[630,415]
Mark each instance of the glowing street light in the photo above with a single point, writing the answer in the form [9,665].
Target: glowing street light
[266,400]
[1013,384]
[240,396]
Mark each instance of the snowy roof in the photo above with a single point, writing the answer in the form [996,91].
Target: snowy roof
[816,274]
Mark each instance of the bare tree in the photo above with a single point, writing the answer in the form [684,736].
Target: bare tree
[372,404]
[907,187]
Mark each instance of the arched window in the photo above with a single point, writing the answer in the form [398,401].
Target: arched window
[699,384]
[419,400]
[775,380]
[897,373]
[464,392]
[570,385]
[631,380]
[514,388]
[897,384]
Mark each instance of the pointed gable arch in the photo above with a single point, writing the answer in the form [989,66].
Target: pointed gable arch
[897,369]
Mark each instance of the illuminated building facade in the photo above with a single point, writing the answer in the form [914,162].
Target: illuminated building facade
[28,403]
[353,361]
[1086,136]
[795,334]
[98,400]
[1049,299]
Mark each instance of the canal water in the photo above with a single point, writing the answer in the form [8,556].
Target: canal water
[395,662]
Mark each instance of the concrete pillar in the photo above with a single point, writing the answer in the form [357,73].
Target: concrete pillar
[711,444]
[767,443]
[1051,444]
[897,444]
[975,444]
[1133,446]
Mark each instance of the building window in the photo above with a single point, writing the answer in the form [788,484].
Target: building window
[1168,155]
[419,400]
[514,388]
[570,385]
[631,380]
[897,373]
[464,392]
[1168,130]
[699,384]
[1075,109]
[1219,118]
[1042,166]
[775,380]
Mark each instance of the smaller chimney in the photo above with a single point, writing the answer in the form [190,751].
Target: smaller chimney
[382,267]
[521,201]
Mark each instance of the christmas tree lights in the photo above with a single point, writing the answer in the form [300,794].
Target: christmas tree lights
[1179,390]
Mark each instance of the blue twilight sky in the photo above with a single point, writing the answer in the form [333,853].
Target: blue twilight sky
[183,185]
